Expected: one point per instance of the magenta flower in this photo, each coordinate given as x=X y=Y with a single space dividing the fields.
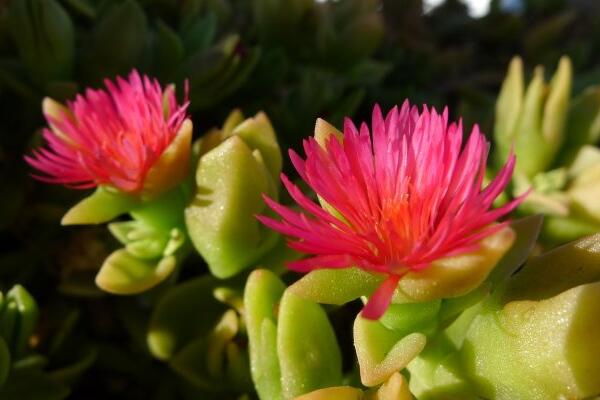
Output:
x=404 y=196
x=113 y=137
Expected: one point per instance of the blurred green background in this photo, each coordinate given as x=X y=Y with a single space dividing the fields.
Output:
x=295 y=59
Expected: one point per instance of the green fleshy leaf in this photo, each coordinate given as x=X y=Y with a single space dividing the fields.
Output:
x=199 y=33
x=583 y=124
x=338 y=393
x=164 y=212
x=222 y=334
x=221 y=219
x=147 y=249
x=258 y=134
x=566 y=229
x=584 y=192
x=261 y=299
x=412 y=317
x=101 y=206
x=190 y=363
x=508 y=108
x=530 y=146
x=207 y=358
x=563 y=268
x=44 y=37
x=146 y=242
x=395 y=388
x=169 y=50
x=28 y=315
x=527 y=230
x=234 y=118
x=537 y=349
x=275 y=260
x=117 y=40
x=267 y=364
x=381 y=351
x=451 y=308
x=550 y=181
x=336 y=286
x=308 y=351
x=175 y=320
x=238 y=362
x=127 y=231
x=556 y=107
x=586 y=157
x=123 y=273
x=432 y=378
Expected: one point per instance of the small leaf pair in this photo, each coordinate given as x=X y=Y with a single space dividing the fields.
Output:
x=236 y=165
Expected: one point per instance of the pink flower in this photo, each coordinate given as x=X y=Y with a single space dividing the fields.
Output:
x=405 y=195
x=111 y=137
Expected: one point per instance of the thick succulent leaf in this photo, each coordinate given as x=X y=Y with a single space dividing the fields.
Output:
x=323 y=130
x=127 y=231
x=583 y=124
x=434 y=378
x=43 y=33
x=190 y=363
x=508 y=108
x=168 y=49
x=234 y=118
x=258 y=134
x=452 y=308
x=173 y=165
x=238 y=363
x=204 y=359
x=309 y=355
x=395 y=388
x=412 y=317
x=338 y=392
x=556 y=107
x=381 y=351
x=566 y=229
x=123 y=273
x=146 y=242
x=586 y=157
x=529 y=143
x=534 y=350
x=117 y=40
x=458 y=275
x=164 y=212
x=584 y=193
x=277 y=258
x=527 y=231
x=544 y=192
x=221 y=219
x=261 y=300
x=27 y=320
x=185 y=311
x=563 y=268
x=101 y=206
x=222 y=334
x=336 y=286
